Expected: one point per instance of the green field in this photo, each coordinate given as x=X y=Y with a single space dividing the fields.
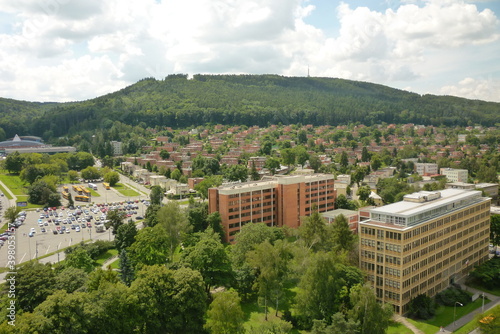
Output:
x=105 y=256
x=7 y=194
x=398 y=328
x=125 y=190
x=14 y=183
x=444 y=314
x=424 y=327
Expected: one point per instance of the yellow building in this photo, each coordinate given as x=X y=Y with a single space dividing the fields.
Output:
x=424 y=243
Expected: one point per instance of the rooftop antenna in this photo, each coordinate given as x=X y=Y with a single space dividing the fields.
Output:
x=308 y=71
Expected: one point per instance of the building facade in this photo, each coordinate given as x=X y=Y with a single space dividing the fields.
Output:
x=275 y=201
x=455 y=175
x=424 y=243
x=426 y=168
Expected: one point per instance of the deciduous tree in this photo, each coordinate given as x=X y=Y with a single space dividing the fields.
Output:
x=225 y=315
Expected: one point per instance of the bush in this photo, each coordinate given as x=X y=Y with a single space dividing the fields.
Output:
x=452 y=295
x=94 y=249
x=422 y=307
x=488 y=273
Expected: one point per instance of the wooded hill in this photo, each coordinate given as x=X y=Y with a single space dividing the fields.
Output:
x=249 y=100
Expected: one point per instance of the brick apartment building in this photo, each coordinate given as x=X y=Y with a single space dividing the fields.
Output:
x=276 y=201
x=424 y=243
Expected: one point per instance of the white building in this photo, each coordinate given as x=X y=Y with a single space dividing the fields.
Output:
x=117 y=147
x=426 y=168
x=455 y=175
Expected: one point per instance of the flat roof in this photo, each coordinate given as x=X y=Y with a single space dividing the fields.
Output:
x=237 y=187
x=405 y=208
x=334 y=213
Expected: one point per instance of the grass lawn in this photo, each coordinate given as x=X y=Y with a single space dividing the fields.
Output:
x=426 y=328
x=105 y=256
x=125 y=190
x=14 y=183
x=254 y=315
x=7 y=194
x=115 y=264
x=467 y=328
x=444 y=314
x=398 y=328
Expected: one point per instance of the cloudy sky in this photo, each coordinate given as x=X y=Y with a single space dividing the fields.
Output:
x=66 y=50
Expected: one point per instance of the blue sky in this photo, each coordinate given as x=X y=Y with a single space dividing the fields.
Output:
x=66 y=50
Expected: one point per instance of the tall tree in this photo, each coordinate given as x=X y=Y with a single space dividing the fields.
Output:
x=343 y=238
x=214 y=221
x=209 y=257
x=34 y=283
x=115 y=219
x=495 y=229
x=14 y=162
x=112 y=178
x=173 y=220
x=314 y=232
x=126 y=268
x=271 y=262
x=11 y=214
x=254 y=174
x=225 y=315
x=374 y=318
x=151 y=247
x=125 y=235
x=170 y=301
x=322 y=287
x=156 y=195
x=79 y=258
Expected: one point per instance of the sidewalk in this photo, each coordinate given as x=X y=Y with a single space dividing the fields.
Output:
x=494 y=301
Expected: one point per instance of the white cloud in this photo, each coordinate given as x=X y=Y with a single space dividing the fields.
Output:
x=103 y=45
x=480 y=89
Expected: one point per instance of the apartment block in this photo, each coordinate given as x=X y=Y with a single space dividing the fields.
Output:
x=275 y=201
x=117 y=147
x=424 y=243
x=455 y=175
x=426 y=168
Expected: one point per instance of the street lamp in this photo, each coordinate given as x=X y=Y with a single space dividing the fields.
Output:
x=455 y=312
x=482 y=307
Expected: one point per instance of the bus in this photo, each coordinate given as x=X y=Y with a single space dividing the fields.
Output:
x=82 y=198
x=93 y=186
x=75 y=187
x=65 y=189
x=65 y=195
x=79 y=190
x=86 y=192
x=106 y=185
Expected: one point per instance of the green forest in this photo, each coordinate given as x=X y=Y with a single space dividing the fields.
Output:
x=179 y=102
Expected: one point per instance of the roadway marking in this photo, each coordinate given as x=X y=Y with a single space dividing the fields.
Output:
x=59 y=246
x=22 y=258
x=48 y=247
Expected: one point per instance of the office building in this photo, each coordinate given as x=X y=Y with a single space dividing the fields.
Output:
x=275 y=201
x=117 y=147
x=424 y=243
x=426 y=169
x=455 y=175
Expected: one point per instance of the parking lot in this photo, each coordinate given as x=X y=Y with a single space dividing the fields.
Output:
x=52 y=230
